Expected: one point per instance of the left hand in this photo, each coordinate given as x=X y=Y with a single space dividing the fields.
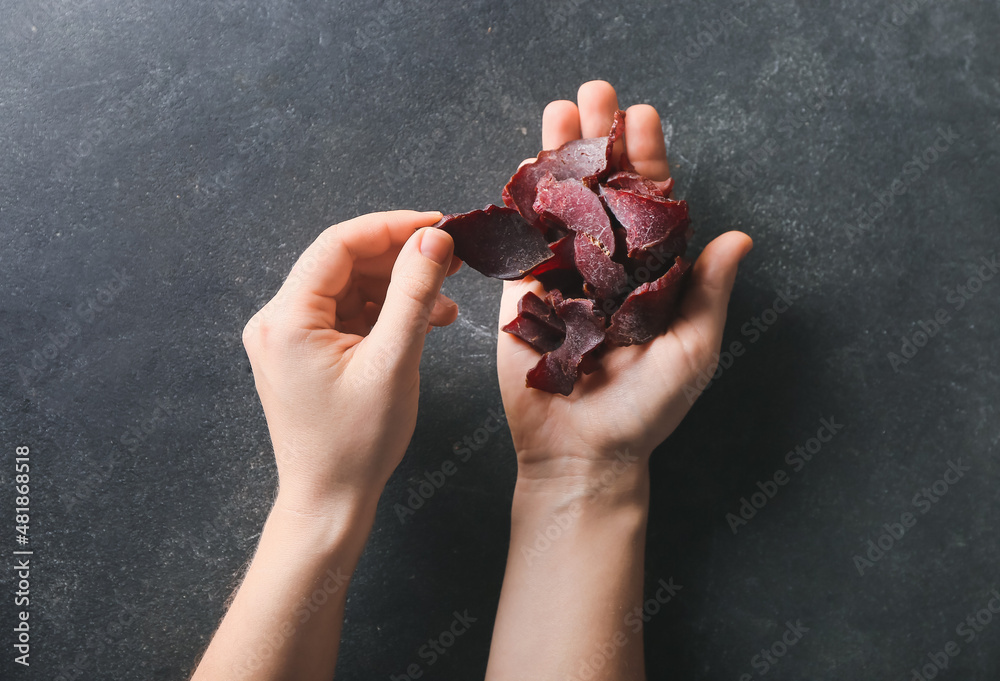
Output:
x=637 y=397
x=336 y=354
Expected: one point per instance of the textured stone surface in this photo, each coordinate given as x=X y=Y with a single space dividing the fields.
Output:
x=197 y=148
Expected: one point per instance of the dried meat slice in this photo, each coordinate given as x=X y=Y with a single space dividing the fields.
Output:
x=538 y=336
x=496 y=241
x=563 y=257
x=648 y=264
x=605 y=279
x=616 y=133
x=542 y=311
x=537 y=324
x=557 y=370
x=641 y=185
x=648 y=220
x=588 y=160
x=649 y=309
x=576 y=207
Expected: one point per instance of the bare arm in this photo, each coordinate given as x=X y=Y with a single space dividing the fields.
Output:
x=575 y=567
x=573 y=573
x=336 y=358
x=286 y=618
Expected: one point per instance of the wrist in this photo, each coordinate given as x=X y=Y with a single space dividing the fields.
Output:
x=593 y=507
x=622 y=473
x=336 y=522
x=620 y=482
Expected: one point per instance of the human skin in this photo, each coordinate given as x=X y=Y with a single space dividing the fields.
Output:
x=581 y=500
x=336 y=358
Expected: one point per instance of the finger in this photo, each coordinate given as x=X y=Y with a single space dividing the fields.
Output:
x=445 y=311
x=357 y=326
x=324 y=269
x=560 y=124
x=598 y=103
x=702 y=313
x=644 y=142
x=373 y=289
x=526 y=162
x=370 y=315
x=456 y=265
x=397 y=339
x=350 y=302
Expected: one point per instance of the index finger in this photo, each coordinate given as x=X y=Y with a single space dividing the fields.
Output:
x=324 y=269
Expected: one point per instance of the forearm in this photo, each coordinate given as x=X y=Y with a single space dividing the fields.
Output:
x=285 y=620
x=574 y=572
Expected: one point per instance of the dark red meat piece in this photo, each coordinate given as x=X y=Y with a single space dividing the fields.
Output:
x=537 y=324
x=557 y=370
x=563 y=256
x=573 y=205
x=587 y=160
x=605 y=278
x=648 y=220
x=639 y=184
x=560 y=272
x=649 y=309
x=605 y=242
x=648 y=264
x=568 y=280
x=496 y=241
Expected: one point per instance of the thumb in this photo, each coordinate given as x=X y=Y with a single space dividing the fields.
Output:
x=417 y=275
x=712 y=277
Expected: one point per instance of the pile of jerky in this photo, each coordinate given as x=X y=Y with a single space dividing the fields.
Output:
x=604 y=241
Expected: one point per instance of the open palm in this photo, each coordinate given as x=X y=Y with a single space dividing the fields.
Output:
x=637 y=396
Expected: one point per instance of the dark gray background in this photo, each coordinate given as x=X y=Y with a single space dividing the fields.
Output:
x=195 y=149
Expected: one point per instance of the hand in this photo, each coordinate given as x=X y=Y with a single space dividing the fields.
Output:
x=336 y=354
x=637 y=397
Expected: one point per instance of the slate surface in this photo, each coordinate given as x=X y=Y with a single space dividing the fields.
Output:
x=169 y=160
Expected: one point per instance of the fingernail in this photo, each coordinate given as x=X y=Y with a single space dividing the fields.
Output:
x=747 y=251
x=435 y=245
